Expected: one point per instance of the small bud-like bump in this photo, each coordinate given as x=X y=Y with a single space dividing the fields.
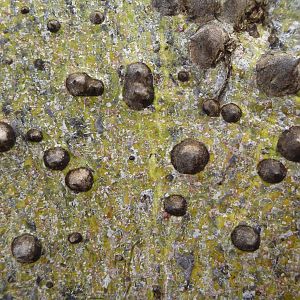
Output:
x=271 y=170
x=253 y=31
x=274 y=41
x=95 y=87
x=80 y=180
x=189 y=157
x=234 y=11
x=243 y=13
x=170 y=177
x=53 y=26
x=56 y=158
x=34 y=135
x=25 y=10
x=7 y=137
x=211 y=108
x=175 y=205
x=49 y=284
x=208 y=45
x=245 y=238
x=231 y=113
x=81 y=84
x=157 y=293
x=183 y=76
x=96 y=17
x=75 y=238
x=202 y=11
x=8 y=61
x=119 y=257
x=167 y=7
x=26 y=248
x=39 y=64
x=289 y=144
x=138 y=92
x=131 y=157
x=278 y=74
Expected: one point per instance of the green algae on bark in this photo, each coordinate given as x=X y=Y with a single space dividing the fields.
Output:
x=123 y=212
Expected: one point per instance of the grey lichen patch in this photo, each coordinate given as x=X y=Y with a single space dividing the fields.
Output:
x=186 y=263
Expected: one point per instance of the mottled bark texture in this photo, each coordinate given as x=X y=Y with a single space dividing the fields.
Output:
x=158 y=200
x=278 y=74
